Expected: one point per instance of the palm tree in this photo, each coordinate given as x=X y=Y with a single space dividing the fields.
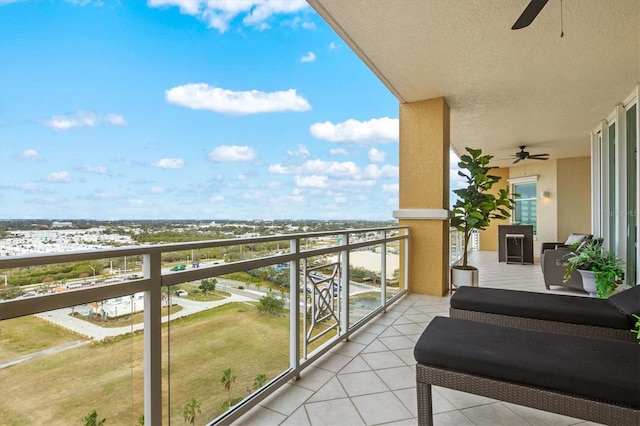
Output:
x=191 y=408
x=259 y=381
x=91 y=419
x=227 y=379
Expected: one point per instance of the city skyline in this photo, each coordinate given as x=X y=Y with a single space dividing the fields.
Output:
x=180 y=109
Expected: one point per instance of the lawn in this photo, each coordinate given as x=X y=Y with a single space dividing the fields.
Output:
x=108 y=377
x=26 y=335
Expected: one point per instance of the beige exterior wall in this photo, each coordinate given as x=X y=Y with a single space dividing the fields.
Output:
x=489 y=237
x=424 y=184
x=568 y=207
x=574 y=196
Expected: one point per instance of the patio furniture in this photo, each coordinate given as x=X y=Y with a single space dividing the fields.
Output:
x=610 y=318
x=527 y=241
x=582 y=377
x=550 y=253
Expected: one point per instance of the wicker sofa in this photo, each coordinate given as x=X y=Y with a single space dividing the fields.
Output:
x=583 y=377
x=610 y=318
x=550 y=253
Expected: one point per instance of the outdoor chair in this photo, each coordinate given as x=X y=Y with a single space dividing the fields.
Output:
x=551 y=253
x=582 y=377
x=610 y=318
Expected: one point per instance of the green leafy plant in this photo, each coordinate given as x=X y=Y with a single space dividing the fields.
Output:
x=476 y=206
x=608 y=268
x=637 y=329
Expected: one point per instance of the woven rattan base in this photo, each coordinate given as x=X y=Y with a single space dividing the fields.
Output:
x=543 y=325
x=542 y=399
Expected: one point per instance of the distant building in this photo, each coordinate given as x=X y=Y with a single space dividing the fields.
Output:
x=61 y=225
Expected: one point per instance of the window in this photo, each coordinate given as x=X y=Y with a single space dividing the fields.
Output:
x=525 y=206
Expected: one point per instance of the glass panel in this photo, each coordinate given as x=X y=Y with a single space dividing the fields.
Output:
x=632 y=190
x=364 y=287
x=227 y=337
x=64 y=364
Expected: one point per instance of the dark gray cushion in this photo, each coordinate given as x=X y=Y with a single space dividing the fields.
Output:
x=543 y=306
x=627 y=301
x=599 y=369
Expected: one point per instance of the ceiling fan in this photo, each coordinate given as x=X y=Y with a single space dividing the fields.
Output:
x=530 y=12
x=524 y=155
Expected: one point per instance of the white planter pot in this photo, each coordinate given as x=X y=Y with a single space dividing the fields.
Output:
x=464 y=277
x=589 y=282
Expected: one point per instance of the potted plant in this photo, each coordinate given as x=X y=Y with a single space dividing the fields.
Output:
x=476 y=207
x=602 y=272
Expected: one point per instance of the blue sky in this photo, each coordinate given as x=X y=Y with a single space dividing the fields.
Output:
x=188 y=109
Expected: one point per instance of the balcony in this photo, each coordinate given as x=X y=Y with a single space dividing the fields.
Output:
x=370 y=379
x=343 y=364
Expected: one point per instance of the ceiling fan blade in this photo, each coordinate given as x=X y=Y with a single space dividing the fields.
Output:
x=517 y=160
x=537 y=158
x=530 y=12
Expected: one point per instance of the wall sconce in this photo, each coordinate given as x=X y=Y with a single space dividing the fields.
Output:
x=544 y=194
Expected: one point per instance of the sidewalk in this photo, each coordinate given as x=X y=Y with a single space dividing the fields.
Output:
x=62 y=318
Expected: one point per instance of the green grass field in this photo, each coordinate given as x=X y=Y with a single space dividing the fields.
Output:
x=108 y=377
x=26 y=335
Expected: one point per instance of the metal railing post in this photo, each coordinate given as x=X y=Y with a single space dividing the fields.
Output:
x=383 y=273
x=344 y=284
x=294 y=307
x=153 y=340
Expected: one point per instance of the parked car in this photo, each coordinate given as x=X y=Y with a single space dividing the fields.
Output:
x=181 y=293
x=179 y=268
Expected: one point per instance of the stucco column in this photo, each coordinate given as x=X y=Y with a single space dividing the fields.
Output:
x=424 y=193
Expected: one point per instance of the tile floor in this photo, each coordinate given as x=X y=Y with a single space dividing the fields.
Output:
x=370 y=380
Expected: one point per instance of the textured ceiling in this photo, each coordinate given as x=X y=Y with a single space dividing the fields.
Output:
x=505 y=88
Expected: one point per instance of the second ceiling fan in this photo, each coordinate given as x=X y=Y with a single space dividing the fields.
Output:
x=524 y=155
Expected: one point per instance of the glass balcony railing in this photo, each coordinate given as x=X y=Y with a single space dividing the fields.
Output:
x=152 y=334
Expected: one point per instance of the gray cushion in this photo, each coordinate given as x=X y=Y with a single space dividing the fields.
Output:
x=542 y=306
x=600 y=369
x=627 y=302
x=576 y=238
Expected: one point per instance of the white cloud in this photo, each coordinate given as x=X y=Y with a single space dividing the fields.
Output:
x=332 y=168
x=29 y=187
x=241 y=176
x=169 y=163
x=308 y=25
x=105 y=195
x=313 y=181
x=232 y=153
x=372 y=171
x=301 y=152
x=220 y=14
x=394 y=187
x=136 y=202
x=278 y=169
x=30 y=154
x=201 y=96
x=101 y=170
x=338 y=151
x=333 y=45
x=83 y=119
x=374 y=131
x=309 y=57
x=115 y=119
x=157 y=190
x=216 y=199
x=59 y=177
x=377 y=156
